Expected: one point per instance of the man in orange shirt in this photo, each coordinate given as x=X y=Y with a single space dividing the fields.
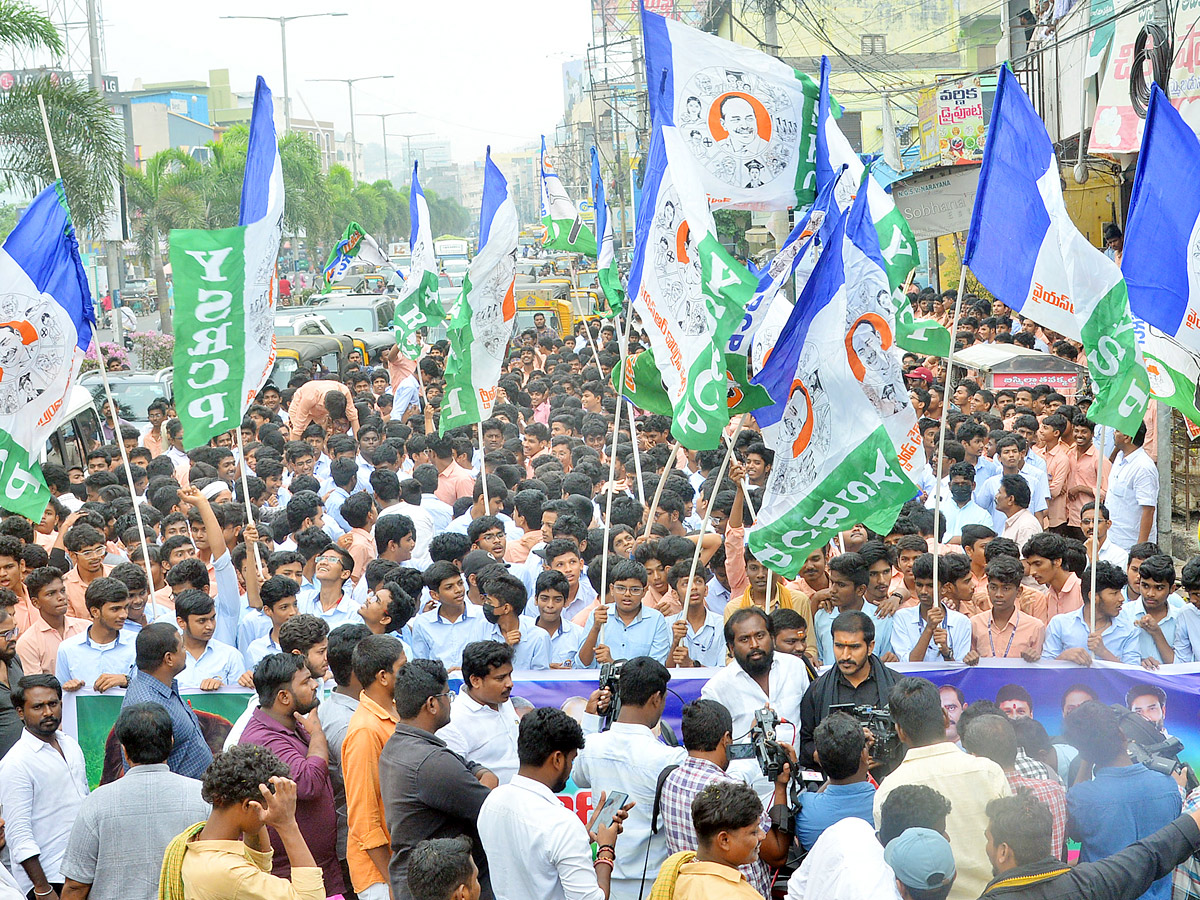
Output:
x=37 y=646
x=375 y=662
x=156 y=412
x=1043 y=555
x=454 y=481
x=86 y=548
x=328 y=403
x=1081 y=486
x=1058 y=469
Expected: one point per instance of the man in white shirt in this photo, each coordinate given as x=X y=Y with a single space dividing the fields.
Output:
x=538 y=849
x=1132 y=492
x=483 y=722
x=43 y=781
x=758 y=677
x=1091 y=522
x=629 y=758
x=928 y=633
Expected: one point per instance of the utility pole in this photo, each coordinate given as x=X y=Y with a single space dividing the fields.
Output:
x=112 y=248
x=351 y=134
x=282 y=21
x=408 y=138
x=383 y=117
x=780 y=224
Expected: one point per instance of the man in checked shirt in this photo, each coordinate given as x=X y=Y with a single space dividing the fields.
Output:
x=707 y=734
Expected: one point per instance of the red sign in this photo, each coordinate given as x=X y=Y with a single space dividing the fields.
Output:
x=1063 y=382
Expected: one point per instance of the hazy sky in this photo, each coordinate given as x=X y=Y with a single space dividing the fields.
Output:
x=475 y=71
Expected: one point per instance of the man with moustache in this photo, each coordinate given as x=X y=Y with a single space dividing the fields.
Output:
x=858 y=678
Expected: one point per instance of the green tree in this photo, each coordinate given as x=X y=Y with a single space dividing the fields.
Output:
x=87 y=136
x=8 y=219
x=167 y=193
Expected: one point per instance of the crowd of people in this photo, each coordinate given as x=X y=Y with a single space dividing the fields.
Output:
x=346 y=564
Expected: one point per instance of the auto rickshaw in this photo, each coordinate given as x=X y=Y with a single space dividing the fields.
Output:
x=293 y=353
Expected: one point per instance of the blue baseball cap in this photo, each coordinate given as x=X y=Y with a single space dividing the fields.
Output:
x=921 y=858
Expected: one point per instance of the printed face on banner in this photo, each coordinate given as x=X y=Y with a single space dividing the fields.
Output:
x=869 y=342
x=805 y=429
x=677 y=265
x=496 y=307
x=740 y=128
x=36 y=338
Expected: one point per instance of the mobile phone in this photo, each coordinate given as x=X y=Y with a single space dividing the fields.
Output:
x=614 y=801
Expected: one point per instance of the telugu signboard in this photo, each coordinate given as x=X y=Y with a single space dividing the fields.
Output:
x=937 y=202
x=953 y=120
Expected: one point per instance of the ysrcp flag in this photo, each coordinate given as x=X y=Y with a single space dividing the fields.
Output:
x=46 y=324
x=689 y=292
x=606 y=259
x=1161 y=261
x=355 y=244
x=834 y=152
x=418 y=305
x=487 y=309
x=564 y=226
x=1024 y=248
x=1174 y=370
x=225 y=295
x=842 y=427
x=746 y=118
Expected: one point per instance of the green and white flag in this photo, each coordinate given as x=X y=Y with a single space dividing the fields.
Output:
x=688 y=291
x=1174 y=370
x=641 y=382
x=225 y=295
x=487 y=310
x=842 y=427
x=923 y=336
x=418 y=305
x=1024 y=248
x=564 y=226
x=606 y=260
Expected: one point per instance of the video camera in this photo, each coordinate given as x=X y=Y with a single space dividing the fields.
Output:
x=763 y=746
x=886 y=748
x=610 y=678
x=1150 y=747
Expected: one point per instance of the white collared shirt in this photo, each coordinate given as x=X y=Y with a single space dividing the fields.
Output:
x=41 y=791
x=1132 y=484
x=629 y=758
x=846 y=863
x=707 y=645
x=218 y=660
x=484 y=735
x=434 y=637
x=537 y=849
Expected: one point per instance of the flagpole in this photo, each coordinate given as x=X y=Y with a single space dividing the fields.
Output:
x=612 y=471
x=637 y=454
x=487 y=504
x=937 y=486
x=1096 y=524
x=246 y=492
x=658 y=493
x=116 y=413
x=708 y=508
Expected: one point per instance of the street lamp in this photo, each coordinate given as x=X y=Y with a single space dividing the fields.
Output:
x=283 y=20
x=408 y=144
x=349 y=83
x=383 y=117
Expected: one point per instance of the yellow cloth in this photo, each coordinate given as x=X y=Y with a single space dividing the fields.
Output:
x=668 y=874
x=781 y=598
x=229 y=870
x=712 y=881
x=170 y=878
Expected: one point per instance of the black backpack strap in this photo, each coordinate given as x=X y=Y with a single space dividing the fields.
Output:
x=658 y=789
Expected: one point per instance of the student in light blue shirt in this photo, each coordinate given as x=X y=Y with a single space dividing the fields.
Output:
x=344 y=474
x=1156 y=611
x=697 y=633
x=102 y=656
x=945 y=638
x=279 y=604
x=848 y=577
x=550 y=596
x=1069 y=635
x=504 y=600
x=209 y=664
x=630 y=628
x=442 y=632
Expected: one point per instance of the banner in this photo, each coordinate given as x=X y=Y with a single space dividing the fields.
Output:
x=89 y=717
x=355 y=243
x=225 y=295
x=746 y=118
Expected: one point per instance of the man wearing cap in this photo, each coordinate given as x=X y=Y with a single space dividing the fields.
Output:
x=923 y=863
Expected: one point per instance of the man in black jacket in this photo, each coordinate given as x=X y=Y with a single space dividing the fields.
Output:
x=1018 y=845
x=858 y=678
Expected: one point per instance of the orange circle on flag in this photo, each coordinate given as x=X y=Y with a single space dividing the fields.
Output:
x=761 y=116
x=801 y=443
x=681 y=238
x=885 y=336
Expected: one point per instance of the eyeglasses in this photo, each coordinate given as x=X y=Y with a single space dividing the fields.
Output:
x=622 y=590
x=94 y=553
x=11 y=634
x=330 y=559
x=449 y=695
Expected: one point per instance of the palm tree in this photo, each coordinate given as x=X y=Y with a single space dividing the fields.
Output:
x=87 y=136
x=166 y=194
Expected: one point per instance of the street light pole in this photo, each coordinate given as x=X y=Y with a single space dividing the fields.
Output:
x=383 y=117
x=349 y=82
x=282 y=21
x=408 y=145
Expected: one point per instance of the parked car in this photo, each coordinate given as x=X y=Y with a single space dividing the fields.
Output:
x=133 y=391
x=348 y=313
x=301 y=321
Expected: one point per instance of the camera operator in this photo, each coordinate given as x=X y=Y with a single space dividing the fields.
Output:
x=757 y=677
x=707 y=734
x=629 y=758
x=858 y=677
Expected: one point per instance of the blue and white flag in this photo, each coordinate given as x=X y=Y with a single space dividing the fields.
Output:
x=1161 y=259
x=225 y=283
x=1024 y=248
x=46 y=324
x=606 y=257
x=418 y=305
x=487 y=309
x=842 y=427
x=746 y=118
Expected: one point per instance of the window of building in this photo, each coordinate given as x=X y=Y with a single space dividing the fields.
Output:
x=874 y=44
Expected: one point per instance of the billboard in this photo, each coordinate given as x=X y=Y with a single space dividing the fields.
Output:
x=953 y=120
